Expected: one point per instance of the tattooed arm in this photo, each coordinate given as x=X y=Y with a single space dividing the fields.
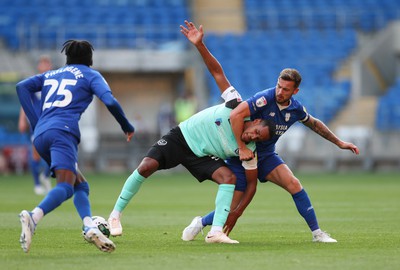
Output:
x=321 y=129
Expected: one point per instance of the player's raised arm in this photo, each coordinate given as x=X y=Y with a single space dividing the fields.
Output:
x=195 y=36
x=237 y=117
x=321 y=129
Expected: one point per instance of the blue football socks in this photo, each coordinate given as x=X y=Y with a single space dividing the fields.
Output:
x=208 y=219
x=59 y=194
x=81 y=200
x=305 y=209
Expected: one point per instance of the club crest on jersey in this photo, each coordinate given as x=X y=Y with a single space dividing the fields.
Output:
x=287 y=117
x=272 y=114
x=162 y=142
x=261 y=102
x=218 y=121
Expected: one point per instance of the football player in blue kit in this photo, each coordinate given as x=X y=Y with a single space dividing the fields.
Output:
x=39 y=169
x=200 y=144
x=66 y=93
x=278 y=105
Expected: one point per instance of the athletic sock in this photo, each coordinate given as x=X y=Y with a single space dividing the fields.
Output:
x=37 y=214
x=130 y=188
x=305 y=209
x=88 y=222
x=316 y=231
x=59 y=194
x=208 y=219
x=81 y=200
x=222 y=205
x=115 y=214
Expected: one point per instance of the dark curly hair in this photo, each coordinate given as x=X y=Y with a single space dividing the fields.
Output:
x=78 y=52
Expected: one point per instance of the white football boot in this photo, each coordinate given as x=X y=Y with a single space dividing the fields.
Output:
x=94 y=236
x=28 y=229
x=115 y=226
x=219 y=237
x=194 y=228
x=322 y=237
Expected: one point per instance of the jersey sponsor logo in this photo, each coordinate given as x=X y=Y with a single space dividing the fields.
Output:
x=218 y=121
x=261 y=102
x=287 y=117
x=281 y=129
x=162 y=142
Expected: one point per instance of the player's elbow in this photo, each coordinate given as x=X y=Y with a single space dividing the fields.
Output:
x=108 y=100
x=19 y=87
x=240 y=112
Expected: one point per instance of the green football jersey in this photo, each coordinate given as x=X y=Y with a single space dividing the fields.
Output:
x=209 y=133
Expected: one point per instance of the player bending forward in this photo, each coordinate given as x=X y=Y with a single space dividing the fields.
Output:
x=277 y=105
x=200 y=143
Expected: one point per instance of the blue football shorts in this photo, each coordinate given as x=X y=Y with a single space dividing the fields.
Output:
x=265 y=163
x=59 y=149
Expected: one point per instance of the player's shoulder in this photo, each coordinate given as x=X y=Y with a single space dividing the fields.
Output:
x=262 y=98
x=296 y=104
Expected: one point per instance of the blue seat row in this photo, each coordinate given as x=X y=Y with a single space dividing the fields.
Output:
x=252 y=61
x=367 y=15
x=42 y=24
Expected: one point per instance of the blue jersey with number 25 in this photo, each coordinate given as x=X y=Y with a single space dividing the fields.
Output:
x=66 y=93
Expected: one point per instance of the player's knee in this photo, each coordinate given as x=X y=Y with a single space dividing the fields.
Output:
x=147 y=167
x=294 y=185
x=83 y=186
x=67 y=188
x=229 y=178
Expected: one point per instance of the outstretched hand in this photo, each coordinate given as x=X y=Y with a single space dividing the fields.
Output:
x=193 y=34
x=129 y=136
x=353 y=148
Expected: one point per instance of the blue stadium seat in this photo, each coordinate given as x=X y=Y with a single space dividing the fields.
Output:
x=20 y=16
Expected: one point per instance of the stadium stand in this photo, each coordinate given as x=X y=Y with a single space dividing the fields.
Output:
x=108 y=24
x=253 y=61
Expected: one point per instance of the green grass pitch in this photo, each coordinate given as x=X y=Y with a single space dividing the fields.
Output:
x=360 y=210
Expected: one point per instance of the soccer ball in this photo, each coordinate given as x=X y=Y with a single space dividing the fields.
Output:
x=102 y=224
